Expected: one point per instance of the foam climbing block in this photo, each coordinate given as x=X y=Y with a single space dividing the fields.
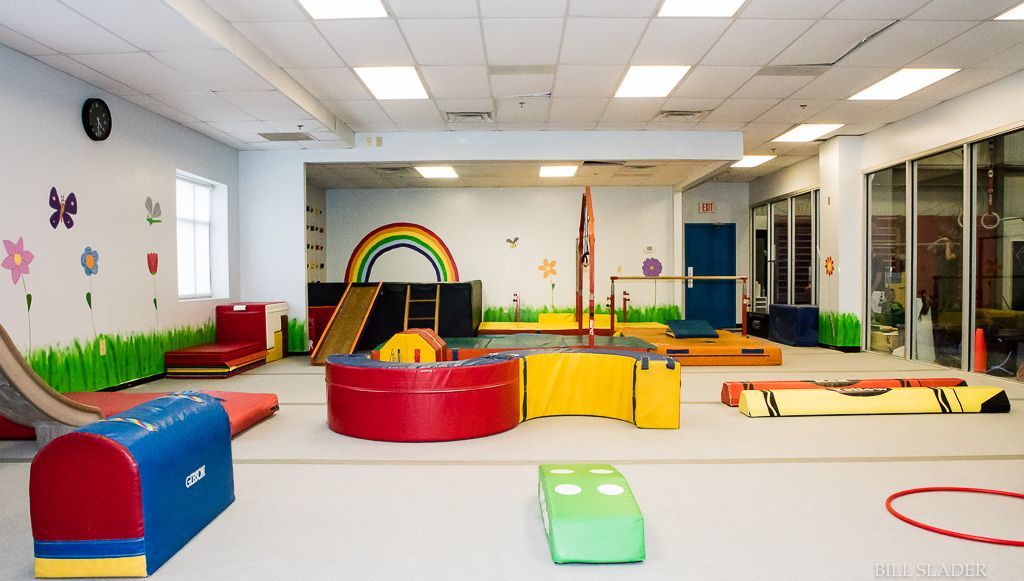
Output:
x=119 y=497
x=589 y=514
x=413 y=346
x=731 y=390
x=838 y=401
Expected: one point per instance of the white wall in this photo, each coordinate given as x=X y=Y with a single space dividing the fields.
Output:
x=44 y=145
x=475 y=224
x=272 y=216
x=803 y=176
x=732 y=205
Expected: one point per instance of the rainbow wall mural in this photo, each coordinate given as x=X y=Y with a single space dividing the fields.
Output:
x=401 y=235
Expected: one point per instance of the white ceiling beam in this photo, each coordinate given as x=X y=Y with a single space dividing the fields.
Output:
x=207 y=20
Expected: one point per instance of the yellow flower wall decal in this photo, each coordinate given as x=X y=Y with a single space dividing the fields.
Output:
x=548 y=268
x=830 y=266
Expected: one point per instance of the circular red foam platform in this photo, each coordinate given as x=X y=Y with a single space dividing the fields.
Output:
x=430 y=402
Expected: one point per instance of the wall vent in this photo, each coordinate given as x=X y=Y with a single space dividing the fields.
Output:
x=680 y=115
x=469 y=117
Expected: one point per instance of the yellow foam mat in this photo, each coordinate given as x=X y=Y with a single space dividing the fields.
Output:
x=73 y=568
x=861 y=401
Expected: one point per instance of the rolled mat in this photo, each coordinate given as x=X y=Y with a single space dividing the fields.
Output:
x=731 y=390
x=864 y=401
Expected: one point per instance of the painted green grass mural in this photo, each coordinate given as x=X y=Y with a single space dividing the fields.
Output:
x=530 y=314
x=298 y=338
x=80 y=367
x=839 y=329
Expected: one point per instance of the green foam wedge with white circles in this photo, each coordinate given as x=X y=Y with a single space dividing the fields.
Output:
x=590 y=515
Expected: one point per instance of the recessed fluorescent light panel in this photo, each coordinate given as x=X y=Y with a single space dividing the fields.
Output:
x=558 y=171
x=1012 y=14
x=656 y=81
x=753 y=160
x=329 y=9
x=392 y=82
x=807 y=132
x=437 y=172
x=902 y=83
x=701 y=8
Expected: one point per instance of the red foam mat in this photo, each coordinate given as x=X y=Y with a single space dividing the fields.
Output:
x=211 y=355
x=244 y=409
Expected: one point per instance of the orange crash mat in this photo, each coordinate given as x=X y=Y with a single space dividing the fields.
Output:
x=728 y=349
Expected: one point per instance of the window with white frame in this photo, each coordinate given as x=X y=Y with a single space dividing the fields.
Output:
x=194 y=210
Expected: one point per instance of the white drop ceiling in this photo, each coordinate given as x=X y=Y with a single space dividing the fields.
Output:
x=505 y=174
x=504 y=57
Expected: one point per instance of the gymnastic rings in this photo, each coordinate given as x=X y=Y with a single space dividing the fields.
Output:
x=993 y=220
x=955 y=534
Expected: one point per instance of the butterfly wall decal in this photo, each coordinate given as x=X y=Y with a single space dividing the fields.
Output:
x=64 y=209
x=153 y=211
x=512 y=242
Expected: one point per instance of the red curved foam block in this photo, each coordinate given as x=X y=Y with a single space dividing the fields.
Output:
x=421 y=404
x=731 y=390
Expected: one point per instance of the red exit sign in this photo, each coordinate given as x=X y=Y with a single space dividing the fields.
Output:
x=707 y=207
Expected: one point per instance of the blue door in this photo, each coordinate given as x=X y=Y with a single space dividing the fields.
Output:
x=711 y=250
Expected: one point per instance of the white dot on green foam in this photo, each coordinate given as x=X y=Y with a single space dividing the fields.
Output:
x=563 y=471
x=568 y=489
x=610 y=489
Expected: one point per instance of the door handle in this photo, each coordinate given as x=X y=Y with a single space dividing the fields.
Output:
x=689 y=272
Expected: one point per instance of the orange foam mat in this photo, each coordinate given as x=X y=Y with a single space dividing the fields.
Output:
x=244 y=409
x=728 y=349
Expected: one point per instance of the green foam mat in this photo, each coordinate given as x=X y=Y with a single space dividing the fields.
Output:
x=590 y=515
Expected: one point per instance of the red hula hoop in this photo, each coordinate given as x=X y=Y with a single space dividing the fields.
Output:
x=941 y=531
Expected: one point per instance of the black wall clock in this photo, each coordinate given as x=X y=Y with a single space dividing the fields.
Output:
x=96 y=119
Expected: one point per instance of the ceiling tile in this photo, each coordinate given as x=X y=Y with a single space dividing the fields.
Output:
x=217 y=70
x=522 y=110
x=374 y=42
x=59 y=27
x=786 y=8
x=681 y=104
x=22 y=43
x=903 y=43
x=794 y=111
x=963 y=10
x=206 y=106
x=452 y=41
x=308 y=125
x=374 y=127
x=758 y=133
x=614 y=8
x=577 y=110
x=291 y=44
x=457 y=82
x=740 y=110
x=975 y=45
x=771 y=87
x=845 y=111
x=706 y=82
x=961 y=83
x=903 y=109
x=678 y=41
x=842 y=82
x=265 y=105
x=505 y=37
x=358 y=112
x=521 y=8
x=258 y=10
x=148 y=24
x=330 y=83
x=632 y=110
x=412 y=111
x=587 y=80
x=828 y=40
x=1010 y=59
x=414 y=127
x=875 y=9
x=80 y=71
x=160 y=108
x=511 y=86
x=601 y=41
x=433 y=8
x=736 y=47
x=241 y=126
x=858 y=128
x=466 y=105
x=140 y=71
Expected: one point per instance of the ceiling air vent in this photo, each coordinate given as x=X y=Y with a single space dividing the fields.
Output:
x=680 y=115
x=287 y=136
x=793 y=70
x=469 y=117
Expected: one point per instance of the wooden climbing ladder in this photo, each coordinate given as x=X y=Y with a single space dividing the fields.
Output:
x=419 y=306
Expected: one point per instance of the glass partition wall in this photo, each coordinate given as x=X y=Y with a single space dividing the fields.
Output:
x=957 y=298
x=784 y=236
